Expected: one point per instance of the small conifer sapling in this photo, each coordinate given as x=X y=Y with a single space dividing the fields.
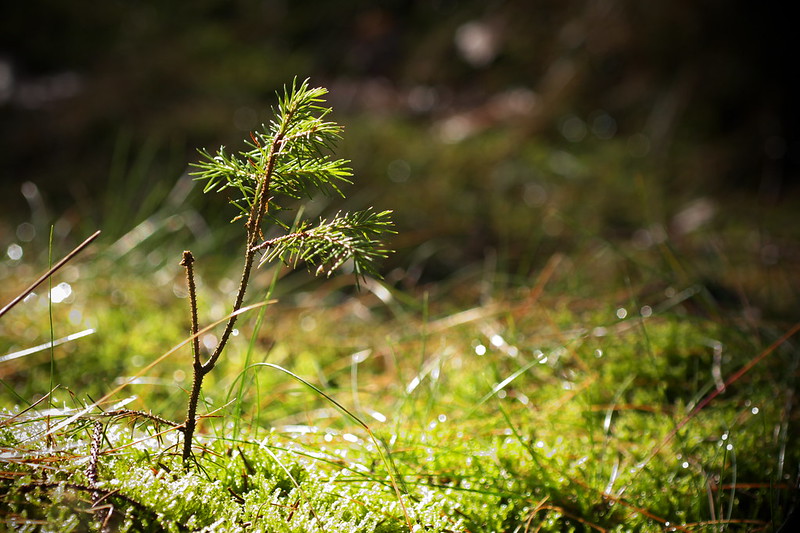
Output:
x=289 y=160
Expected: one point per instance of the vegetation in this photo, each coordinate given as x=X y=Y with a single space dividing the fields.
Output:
x=571 y=380
x=287 y=161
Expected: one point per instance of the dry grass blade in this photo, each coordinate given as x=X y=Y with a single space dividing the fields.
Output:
x=78 y=249
x=87 y=409
x=716 y=392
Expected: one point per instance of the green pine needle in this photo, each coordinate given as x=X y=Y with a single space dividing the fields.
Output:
x=329 y=244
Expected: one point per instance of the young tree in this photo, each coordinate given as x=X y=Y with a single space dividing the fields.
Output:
x=290 y=159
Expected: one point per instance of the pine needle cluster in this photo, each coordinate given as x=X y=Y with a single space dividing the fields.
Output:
x=292 y=159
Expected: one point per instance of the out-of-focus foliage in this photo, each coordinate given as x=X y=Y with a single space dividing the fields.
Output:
x=712 y=74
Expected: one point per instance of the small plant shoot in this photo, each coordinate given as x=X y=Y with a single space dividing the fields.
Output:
x=290 y=160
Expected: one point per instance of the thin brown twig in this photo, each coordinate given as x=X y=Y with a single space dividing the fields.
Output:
x=80 y=487
x=49 y=273
x=188 y=262
x=132 y=413
x=91 y=475
x=31 y=406
x=94 y=452
x=197 y=365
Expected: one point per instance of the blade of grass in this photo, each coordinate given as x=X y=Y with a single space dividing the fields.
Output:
x=146 y=368
x=297 y=486
x=501 y=385
x=45 y=346
x=708 y=399
x=599 y=493
x=378 y=444
x=50 y=313
x=237 y=416
x=251 y=346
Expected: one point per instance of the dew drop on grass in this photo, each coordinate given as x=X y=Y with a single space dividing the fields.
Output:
x=431 y=456
x=442 y=418
x=398 y=170
x=622 y=313
x=14 y=252
x=26 y=232
x=573 y=128
x=497 y=341
x=154 y=258
x=480 y=349
x=209 y=341
x=308 y=323
x=380 y=417
x=754 y=410
x=60 y=292
x=179 y=291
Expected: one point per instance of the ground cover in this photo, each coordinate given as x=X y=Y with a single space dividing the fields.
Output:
x=598 y=356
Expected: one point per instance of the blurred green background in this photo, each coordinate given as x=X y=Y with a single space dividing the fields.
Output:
x=504 y=129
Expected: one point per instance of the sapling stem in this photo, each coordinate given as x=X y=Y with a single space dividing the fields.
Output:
x=188 y=263
x=197 y=366
x=200 y=369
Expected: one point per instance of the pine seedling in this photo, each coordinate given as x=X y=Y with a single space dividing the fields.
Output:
x=289 y=160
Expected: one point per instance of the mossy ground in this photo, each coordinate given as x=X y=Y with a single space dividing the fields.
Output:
x=542 y=361
x=507 y=407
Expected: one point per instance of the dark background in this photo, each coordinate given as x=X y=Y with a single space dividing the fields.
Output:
x=705 y=89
